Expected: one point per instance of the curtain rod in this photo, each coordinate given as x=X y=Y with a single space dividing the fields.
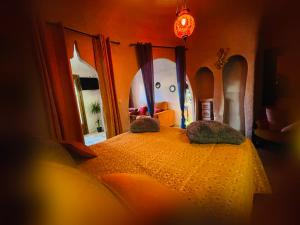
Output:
x=90 y=35
x=156 y=46
x=86 y=34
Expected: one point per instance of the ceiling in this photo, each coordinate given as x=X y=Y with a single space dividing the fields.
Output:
x=144 y=20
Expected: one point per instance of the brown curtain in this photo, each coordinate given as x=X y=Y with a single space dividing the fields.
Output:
x=104 y=67
x=83 y=44
x=57 y=83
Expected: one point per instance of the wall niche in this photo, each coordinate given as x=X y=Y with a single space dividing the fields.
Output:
x=205 y=94
x=234 y=85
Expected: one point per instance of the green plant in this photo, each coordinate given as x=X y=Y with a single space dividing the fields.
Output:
x=96 y=110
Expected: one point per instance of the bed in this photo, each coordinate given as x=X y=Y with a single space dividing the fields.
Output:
x=220 y=178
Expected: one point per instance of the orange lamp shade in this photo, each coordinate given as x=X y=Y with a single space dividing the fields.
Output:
x=184 y=24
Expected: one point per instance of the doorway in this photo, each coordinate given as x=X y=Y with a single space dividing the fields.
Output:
x=88 y=98
x=165 y=94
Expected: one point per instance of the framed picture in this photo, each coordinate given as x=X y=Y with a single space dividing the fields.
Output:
x=157 y=85
x=172 y=88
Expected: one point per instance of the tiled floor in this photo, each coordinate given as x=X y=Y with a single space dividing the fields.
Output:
x=94 y=138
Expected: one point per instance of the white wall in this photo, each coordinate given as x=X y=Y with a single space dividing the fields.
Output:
x=83 y=69
x=165 y=73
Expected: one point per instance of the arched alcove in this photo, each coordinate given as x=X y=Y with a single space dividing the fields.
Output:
x=205 y=94
x=234 y=85
x=165 y=75
x=205 y=83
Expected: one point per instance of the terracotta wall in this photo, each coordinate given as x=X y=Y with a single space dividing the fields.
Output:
x=230 y=24
x=85 y=16
x=235 y=28
x=281 y=32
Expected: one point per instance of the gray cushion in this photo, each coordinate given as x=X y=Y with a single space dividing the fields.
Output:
x=144 y=125
x=206 y=132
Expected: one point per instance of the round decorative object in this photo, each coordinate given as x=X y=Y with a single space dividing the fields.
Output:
x=157 y=85
x=184 y=24
x=172 y=88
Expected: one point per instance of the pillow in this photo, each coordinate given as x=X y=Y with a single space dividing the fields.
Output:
x=162 y=105
x=70 y=197
x=134 y=113
x=78 y=149
x=158 y=110
x=213 y=132
x=148 y=198
x=143 y=110
x=144 y=125
x=133 y=109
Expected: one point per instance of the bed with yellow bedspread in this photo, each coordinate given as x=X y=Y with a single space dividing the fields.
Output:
x=220 y=178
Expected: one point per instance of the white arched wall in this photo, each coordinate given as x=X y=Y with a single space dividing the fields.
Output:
x=165 y=73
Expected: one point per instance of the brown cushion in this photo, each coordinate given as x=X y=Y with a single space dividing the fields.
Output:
x=162 y=105
x=78 y=149
x=148 y=198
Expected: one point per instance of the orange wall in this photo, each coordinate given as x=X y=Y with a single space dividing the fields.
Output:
x=282 y=33
x=82 y=16
x=230 y=24
x=235 y=28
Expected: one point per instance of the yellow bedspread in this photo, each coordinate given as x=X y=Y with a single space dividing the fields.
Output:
x=220 y=178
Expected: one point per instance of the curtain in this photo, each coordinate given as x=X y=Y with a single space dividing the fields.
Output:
x=57 y=83
x=104 y=67
x=181 y=79
x=131 y=104
x=145 y=62
x=84 y=46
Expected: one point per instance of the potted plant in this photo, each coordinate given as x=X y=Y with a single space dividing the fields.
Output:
x=96 y=110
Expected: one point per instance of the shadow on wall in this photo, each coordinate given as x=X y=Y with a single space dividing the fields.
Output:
x=205 y=83
x=234 y=85
x=165 y=74
x=205 y=94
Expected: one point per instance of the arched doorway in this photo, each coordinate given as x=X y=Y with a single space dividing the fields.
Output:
x=234 y=85
x=165 y=90
x=88 y=98
x=205 y=93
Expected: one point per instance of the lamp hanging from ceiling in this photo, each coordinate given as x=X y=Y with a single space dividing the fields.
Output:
x=184 y=24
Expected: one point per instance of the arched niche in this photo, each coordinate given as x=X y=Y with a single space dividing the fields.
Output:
x=165 y=75
x=234 y=85
x=205 y=94
x=205 y=83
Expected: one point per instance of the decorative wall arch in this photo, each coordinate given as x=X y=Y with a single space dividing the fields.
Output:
x=205 y=94
x=165 y=74
x=234 y=87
